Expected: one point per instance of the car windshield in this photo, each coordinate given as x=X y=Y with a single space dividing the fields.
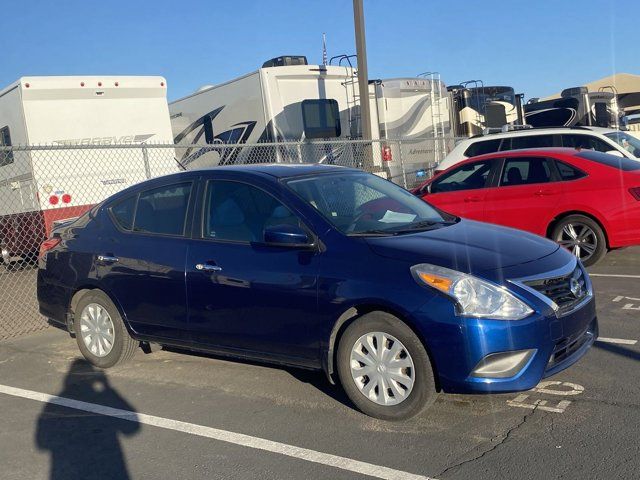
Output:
x=630 y=143
x=365 y=204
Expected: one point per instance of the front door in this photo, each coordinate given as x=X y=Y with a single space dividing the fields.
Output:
x=461 y=191
x=247 y=297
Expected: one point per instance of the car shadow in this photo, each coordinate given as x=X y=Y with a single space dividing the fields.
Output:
x=618 y=350
x=315 y=378
x=85 y=445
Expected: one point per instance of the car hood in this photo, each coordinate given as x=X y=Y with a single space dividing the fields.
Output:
x=467 y=246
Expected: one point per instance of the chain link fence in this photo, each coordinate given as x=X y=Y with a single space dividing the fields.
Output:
x=43 y=186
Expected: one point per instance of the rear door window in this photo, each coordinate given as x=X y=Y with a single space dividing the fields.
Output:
x=525 y=171
x=163 y=210
x=466 y=177
x=531 y=141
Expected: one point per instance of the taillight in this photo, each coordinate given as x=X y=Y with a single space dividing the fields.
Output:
x=47 y=245
x=66 y=198
x=53 y=199
x=635 y=192
x=387 y=156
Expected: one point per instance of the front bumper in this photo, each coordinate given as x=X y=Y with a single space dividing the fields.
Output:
x=459 y=345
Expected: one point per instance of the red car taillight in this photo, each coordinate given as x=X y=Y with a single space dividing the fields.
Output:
x=635 y=192
x=47 y=245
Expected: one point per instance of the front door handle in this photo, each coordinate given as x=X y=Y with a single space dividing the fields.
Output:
x=544 y=193
x=107 y=259
x=208 y=267
x=472 y=198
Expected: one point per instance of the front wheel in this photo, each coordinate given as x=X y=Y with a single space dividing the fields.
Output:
x=100 y=332
x=582 y=236
x=384 y=368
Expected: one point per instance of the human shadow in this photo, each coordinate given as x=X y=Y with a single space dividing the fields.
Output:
x=85 y=445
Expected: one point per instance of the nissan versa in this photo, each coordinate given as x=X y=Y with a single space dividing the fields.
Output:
x=319 y=267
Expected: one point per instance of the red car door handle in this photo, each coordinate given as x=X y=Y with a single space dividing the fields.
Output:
x=472 y=198
x=542 y=193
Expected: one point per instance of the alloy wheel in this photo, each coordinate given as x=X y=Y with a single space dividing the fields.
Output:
x=382 y=368
x=579 y=239
x=96 y=330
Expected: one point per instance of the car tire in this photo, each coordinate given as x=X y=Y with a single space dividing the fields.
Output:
x=100 y=331
x=417 y=379
x=574 y=232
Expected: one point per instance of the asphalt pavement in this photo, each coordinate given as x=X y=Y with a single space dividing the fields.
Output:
x=175 y=415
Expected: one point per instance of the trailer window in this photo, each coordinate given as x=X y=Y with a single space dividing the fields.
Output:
x=321 y=118
x=6 y=156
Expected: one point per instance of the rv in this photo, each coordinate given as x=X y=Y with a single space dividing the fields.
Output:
x=288 y=100
x=40 y=186
x=477 y=107
x=576 y=107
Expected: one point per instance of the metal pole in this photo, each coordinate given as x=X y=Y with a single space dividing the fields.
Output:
x=363 y=78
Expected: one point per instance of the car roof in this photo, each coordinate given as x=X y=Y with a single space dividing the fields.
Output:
x=538 y=131
x=280 y=170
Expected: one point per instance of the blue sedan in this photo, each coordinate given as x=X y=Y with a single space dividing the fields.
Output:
x=319 y=267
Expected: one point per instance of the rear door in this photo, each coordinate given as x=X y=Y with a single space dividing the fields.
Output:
x=142 y=257
x=461 y=191
x=526 y=194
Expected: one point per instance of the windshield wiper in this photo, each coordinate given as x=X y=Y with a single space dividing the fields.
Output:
x=421 y=225
x=372 y=233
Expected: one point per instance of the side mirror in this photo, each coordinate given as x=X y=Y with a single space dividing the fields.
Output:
x=285 y=235
x=617 y=153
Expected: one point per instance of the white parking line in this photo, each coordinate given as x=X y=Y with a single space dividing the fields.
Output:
x=621 y=341
x=308 y=455
x=612 y=275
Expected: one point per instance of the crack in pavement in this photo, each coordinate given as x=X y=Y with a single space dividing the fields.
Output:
x=501 y=441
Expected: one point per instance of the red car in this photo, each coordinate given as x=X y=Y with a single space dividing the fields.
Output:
x=585 y=200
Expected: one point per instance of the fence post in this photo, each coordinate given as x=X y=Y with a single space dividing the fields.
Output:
x=145 y=157
x=404 y=173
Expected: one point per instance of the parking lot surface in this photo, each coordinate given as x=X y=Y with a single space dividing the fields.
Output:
x=199 y=416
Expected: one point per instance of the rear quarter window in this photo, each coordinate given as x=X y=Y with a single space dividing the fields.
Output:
x=480 y=148
x=122 y=212
x=621 y=163
x=567 y=172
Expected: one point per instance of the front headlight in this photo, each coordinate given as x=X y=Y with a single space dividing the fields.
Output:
x=474 y=297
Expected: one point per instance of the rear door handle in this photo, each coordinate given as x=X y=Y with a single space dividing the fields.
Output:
x=543 y=193
x=208 y=267
x=472 y=198
x=107 y=259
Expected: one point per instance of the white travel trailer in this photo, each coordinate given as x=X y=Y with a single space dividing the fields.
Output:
x=289 y=100
x=41 y=186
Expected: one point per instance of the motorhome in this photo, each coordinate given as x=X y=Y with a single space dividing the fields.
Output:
x=53 y=179
x=289 y=100
x=477 y=107
x=575 y=107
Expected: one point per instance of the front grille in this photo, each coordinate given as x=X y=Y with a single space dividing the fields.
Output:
x=565 y=291
x=565 y=347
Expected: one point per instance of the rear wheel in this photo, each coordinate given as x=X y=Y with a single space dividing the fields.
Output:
x=100 y=332
x=384 y=368
x=582 y=236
